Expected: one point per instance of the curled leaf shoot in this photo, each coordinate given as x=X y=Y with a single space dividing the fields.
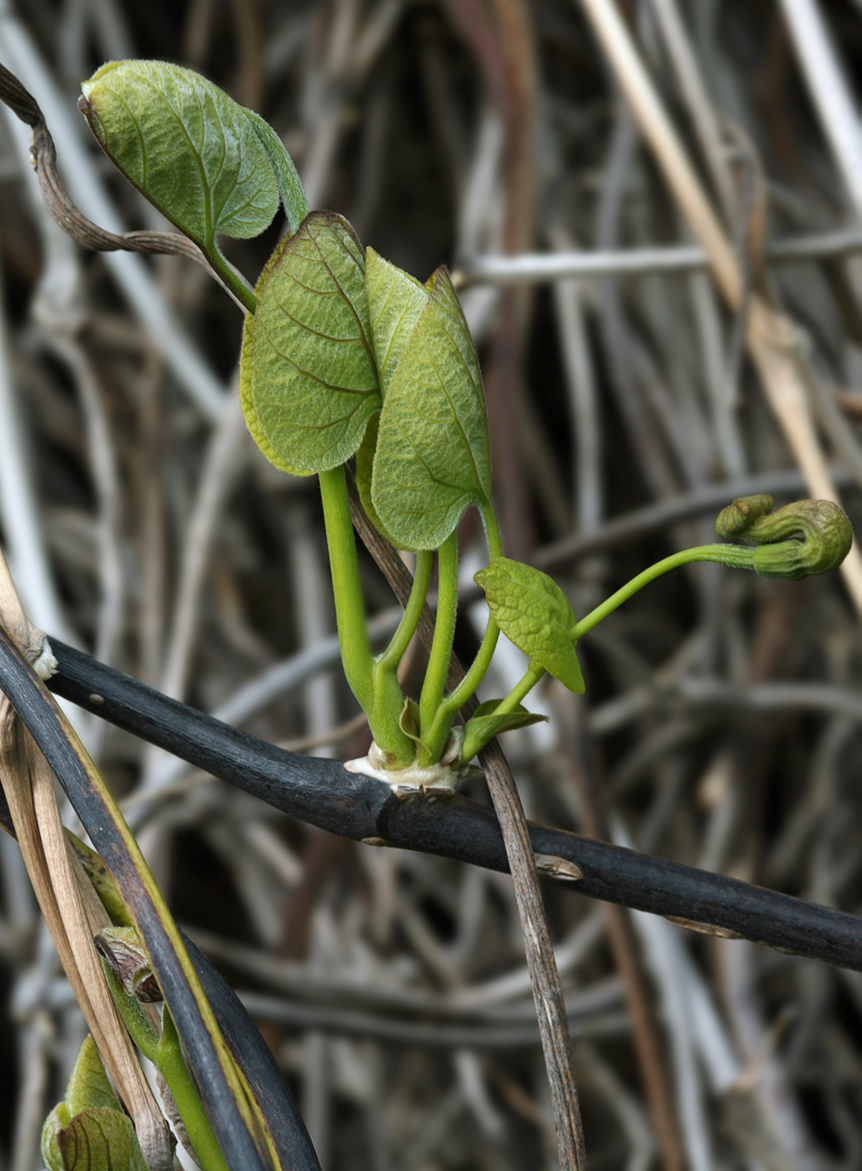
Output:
x=804 y=538
x=208 y=164
x=801 y=539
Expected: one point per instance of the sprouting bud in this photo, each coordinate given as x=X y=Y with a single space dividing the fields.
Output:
x=801 y=539
x=122 y=949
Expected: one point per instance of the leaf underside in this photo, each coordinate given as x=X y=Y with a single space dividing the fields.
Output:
x=309 y=379
x=432 y=457
x=534 y=613
x=188 y=147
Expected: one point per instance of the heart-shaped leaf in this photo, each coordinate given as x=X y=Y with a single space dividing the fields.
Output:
x=534 y=613
x=432 y=457
x=485 y=724
x=308 y=379
x=395 y=301
x=194 y=152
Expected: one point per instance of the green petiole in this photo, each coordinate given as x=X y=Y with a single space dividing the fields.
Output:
x=394 y=653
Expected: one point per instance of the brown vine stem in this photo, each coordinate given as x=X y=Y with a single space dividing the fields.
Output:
x=542 y=965
x=59 y=203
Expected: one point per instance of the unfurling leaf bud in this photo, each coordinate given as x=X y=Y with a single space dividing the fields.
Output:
x=122 y=949
x=801 y=539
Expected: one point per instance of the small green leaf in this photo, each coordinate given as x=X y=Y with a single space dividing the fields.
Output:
x=534 y=613
x=88 y=1131
x=308 y=378
x=88 y=1086
x=432 y=458
x=194 y=152
x=49 y=1146
x=485 y=724
x=287 y=178
x=410 y=722
x=100 y=1140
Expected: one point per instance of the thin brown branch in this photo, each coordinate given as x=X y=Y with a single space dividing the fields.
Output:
x=59 y=203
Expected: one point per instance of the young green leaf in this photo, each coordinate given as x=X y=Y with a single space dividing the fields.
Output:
x=534 y=613
x=97 y=1140
x=88 y=1086
x=485 y=724
x=193 y=151
x=308 y=378
x=287 y=178
x=395 y=300
x=432 y=457
x=88 y=1131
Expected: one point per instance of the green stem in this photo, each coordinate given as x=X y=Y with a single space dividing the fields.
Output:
x=174 y=1070
x=394 y=653
x=478 y=669
x=525 y=684
x=379 y=696
x=230 y=279
x=346 y=586
x=740 y=556
x=165 y=1053
x=441 y=647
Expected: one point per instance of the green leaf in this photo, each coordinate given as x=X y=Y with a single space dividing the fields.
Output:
x=194 y=152
x=284 y=169
x=49 y=1147
x=89 y=1131
x=432 y=457
x=410 y=722
x=88 y=1086
x=395 y=300
x=534 y=613
x=100 y=1140
x=485 y=724
x=308 y=377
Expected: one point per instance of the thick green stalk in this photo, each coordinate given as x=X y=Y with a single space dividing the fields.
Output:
x=379 y=697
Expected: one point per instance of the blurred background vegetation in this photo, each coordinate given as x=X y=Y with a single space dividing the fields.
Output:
x=721 y=722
